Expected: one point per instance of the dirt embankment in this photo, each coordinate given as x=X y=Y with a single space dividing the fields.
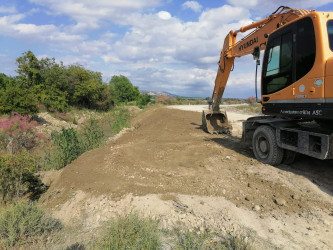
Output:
x=169 y=168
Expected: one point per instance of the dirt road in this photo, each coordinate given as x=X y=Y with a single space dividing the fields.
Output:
x=167 y=167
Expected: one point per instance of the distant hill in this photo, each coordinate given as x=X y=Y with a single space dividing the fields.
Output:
x=157 y=93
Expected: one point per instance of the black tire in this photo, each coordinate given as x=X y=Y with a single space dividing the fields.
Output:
x=265 y=147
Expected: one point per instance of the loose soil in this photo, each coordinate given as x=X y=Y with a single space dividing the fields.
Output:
x=166 y=167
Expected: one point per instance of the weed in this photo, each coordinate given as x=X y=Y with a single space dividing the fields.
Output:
x=191 y=240
x=121 y=120
x=195 y=240
x=25 y=223
x=68 y=146
x=92 y=135
x=130 y=232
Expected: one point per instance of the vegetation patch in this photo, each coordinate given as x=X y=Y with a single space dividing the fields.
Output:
x=121 y=119
x=204 y=240
x=17 y=175
x=69 y=144
x=130 y=232
x=25 y=223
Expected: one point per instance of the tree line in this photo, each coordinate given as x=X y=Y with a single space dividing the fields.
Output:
x=46 y=84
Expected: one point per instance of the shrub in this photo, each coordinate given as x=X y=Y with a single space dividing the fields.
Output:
x=130 y=232
x=92 y=135
x=54 y=99
x=121 y=120
x=17 y=175
x=191 y=240
x=25 y=223
x=122 y=90
x=68 y=146
x=143 y=100
x=194 y=240
x=17 y=99
x=18 y=133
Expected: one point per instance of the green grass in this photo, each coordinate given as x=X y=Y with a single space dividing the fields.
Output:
x=69 y=144
x=121 y=119
x=25 y=223
x=130 y=232
x=204 y=240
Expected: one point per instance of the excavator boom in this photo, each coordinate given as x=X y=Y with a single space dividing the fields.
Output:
x=214 y=120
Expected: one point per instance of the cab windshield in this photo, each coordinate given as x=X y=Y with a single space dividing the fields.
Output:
x=330 y=33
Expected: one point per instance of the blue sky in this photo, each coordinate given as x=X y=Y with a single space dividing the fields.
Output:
x=170 y=45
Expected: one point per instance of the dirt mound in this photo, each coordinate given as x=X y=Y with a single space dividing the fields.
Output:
x=168 y=153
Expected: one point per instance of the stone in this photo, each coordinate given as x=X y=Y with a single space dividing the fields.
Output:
x=280 y=202
x=256 y=208
x=295 y=196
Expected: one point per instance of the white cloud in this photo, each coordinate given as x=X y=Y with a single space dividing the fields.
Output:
x=264 y=7
x=193 y=5
x=164 y=15
x=92 y=14
x=10 y=26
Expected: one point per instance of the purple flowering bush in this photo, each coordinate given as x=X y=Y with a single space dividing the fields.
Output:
x=18 y=132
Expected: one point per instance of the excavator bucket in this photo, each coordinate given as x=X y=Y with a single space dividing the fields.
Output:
x=215 y=122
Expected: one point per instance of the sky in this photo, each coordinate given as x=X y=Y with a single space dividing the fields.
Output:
x=170 y=45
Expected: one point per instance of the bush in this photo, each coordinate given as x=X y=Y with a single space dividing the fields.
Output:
x=191 y=240
x=25 y=223
x=17 y=99
x=194 y=240
x=18 y=133
x=122 y=90
x=68 y=146
x=92 y=135
x=17 y=175
x=130 y=232
x=143 y=100
x=121 y=120
x=54 y=100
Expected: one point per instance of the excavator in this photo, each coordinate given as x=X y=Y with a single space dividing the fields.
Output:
x=296 y=85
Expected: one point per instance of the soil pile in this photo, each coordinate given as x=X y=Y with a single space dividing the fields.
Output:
x=167 y=158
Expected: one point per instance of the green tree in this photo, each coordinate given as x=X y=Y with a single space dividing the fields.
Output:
x=29 y=69
x=143 y=100
x=86 y=88
x=122 y=90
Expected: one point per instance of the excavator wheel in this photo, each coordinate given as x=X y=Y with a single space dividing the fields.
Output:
x=215 y=122
x=265 y=147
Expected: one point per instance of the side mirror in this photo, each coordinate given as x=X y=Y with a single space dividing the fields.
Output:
x=256 y=53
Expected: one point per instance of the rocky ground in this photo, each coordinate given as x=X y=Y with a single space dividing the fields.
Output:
x=167 y=168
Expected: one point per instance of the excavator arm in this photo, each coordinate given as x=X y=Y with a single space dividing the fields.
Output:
x=214 y=120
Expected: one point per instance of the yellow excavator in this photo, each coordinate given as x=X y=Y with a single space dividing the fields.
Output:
x=296 y=85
